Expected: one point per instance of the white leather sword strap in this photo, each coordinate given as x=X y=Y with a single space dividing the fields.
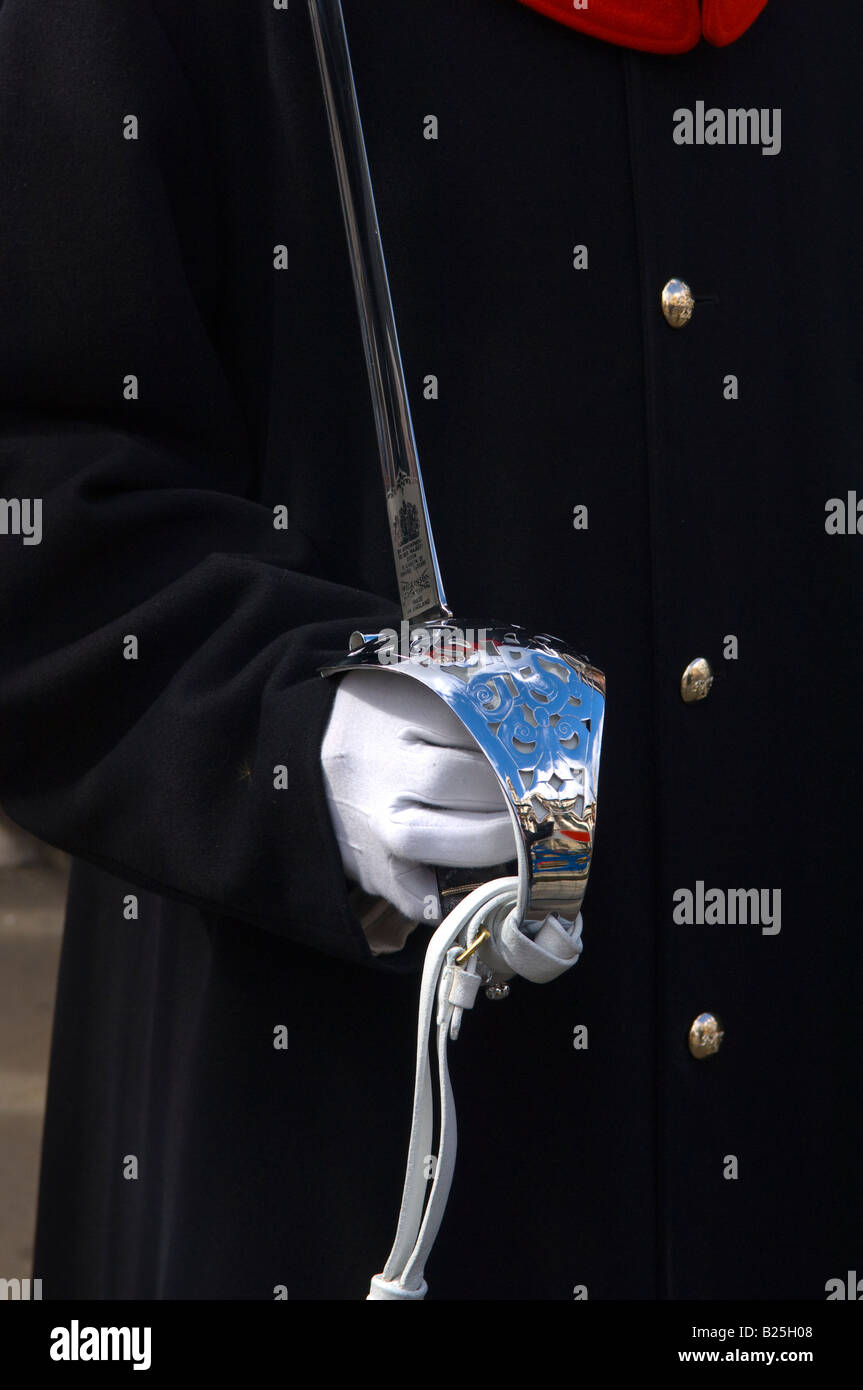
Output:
x=536 y=951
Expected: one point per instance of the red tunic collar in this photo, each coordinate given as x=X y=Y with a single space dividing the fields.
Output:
x=657 y=26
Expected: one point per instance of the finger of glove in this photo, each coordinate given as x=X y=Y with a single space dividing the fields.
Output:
x=389 y=704
x=412 y=888
x=450 y=778
x=455 y=839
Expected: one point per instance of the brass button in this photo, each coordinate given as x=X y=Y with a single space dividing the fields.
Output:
x=677 y=303
x=705 y=1036
x=696 y=680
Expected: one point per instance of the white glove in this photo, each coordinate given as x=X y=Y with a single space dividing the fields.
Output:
x=407 y=788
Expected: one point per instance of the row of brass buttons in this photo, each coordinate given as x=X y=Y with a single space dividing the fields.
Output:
x=705 y=1033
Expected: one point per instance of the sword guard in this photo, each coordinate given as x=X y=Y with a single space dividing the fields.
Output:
x=536 y=710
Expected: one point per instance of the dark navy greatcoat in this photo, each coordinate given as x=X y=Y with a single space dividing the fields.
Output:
x=167 y=381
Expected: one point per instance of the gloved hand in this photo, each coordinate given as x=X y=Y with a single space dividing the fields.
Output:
x=408 y=788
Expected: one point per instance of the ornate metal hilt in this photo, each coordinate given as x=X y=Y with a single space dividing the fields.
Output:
x=536 y=709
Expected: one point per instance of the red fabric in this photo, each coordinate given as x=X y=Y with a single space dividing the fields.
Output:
x=656 y=26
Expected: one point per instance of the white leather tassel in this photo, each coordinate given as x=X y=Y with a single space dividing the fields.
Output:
x=539 y=951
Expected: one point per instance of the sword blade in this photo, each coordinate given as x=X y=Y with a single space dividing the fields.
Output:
x=420 y=585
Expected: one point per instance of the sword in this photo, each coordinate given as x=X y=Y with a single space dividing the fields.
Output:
x=419 y=579
x=533 y=705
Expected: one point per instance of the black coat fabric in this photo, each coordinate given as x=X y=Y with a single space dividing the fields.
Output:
x=605 y=1168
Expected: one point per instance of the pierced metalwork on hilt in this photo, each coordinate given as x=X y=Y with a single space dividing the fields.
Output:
x=536 y=709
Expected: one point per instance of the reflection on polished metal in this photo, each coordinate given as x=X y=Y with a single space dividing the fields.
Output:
x=497 y=991
x=536 y=709
x=677 y=303
x=705 y=1036
x=696 y=681
x=533 y=705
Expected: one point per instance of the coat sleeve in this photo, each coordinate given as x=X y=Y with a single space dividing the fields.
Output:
x=160 y=709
